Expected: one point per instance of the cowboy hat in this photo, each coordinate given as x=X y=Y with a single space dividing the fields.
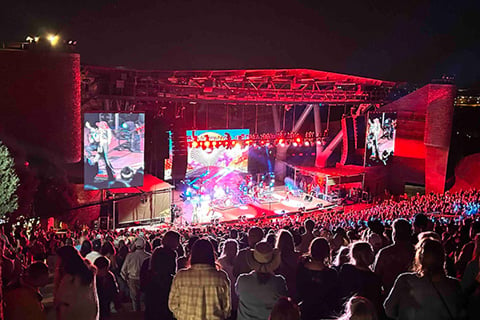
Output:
x=264 y=258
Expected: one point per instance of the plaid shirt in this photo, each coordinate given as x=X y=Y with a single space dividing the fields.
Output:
x=200 y=293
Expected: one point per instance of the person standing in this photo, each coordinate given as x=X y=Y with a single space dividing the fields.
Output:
x=227 y=259
x=259 y=290
x=289 y=261
x=95 y=253
x=308 y=236
x=357 y=278
x=396 y=258
x=107 y=288
x=255 y=235
x=131 y=271
x=156 y=282
x=317 y=284
x=75 y=294
x=426 y=293
x=471 y=282
x=22 y=300
x=201 y=291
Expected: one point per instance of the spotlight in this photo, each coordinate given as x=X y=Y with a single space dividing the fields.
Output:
x=53 y=39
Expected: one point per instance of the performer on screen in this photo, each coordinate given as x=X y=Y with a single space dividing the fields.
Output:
x=375 y=133
x=100 y=138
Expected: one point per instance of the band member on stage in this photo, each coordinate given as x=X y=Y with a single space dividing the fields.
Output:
x=100 y=138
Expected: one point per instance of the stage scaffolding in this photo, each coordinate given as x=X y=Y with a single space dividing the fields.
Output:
x=326 y=178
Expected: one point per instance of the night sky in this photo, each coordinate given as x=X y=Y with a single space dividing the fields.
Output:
x=413 y=41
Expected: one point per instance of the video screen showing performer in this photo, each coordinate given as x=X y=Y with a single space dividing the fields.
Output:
x=380 y=140
x=216 y=149
x=113 y=150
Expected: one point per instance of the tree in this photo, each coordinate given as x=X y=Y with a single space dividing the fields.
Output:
x=9 y=182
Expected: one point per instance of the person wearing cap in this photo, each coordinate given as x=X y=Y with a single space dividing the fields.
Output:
x=259 y=290
x=131 y=271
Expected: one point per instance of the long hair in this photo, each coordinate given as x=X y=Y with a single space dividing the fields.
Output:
x=362 y=253
x=203 y=253
x=285 y=243
x=359 y=308
x=233 y=245
x=73 y=264
x=429 y=258
x=107 y=248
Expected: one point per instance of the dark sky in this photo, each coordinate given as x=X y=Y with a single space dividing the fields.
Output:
x=413 y=41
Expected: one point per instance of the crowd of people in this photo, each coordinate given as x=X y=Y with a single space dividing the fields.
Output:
x=416 y=258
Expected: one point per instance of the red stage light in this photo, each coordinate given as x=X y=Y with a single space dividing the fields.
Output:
x=195 y=144
x=207 y=144
x=298 y=140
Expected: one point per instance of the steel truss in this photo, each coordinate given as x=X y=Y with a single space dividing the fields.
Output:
x=285 y=86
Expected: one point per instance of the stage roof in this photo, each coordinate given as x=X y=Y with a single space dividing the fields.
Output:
x=150 y=184
x=300 y=75
x=249 y=86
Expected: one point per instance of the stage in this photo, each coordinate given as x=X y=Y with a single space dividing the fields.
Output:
x=278 y=202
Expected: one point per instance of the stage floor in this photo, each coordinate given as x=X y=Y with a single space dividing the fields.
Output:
x=279 y=203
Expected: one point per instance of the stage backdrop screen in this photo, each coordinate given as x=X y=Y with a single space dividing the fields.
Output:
x=230 y=156
x=380 y=138
x=167 y=174
x=113 y=150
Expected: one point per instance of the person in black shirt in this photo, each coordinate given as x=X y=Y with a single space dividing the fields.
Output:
x=359 y=279
x=317 y=284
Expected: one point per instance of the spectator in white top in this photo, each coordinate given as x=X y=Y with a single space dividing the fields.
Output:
x=95 y=253
x=131 y=271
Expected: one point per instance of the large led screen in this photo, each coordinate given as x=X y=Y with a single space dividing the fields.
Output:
x=223 y=155
x=167 y=175
x=380 y=138
x=113 y=150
